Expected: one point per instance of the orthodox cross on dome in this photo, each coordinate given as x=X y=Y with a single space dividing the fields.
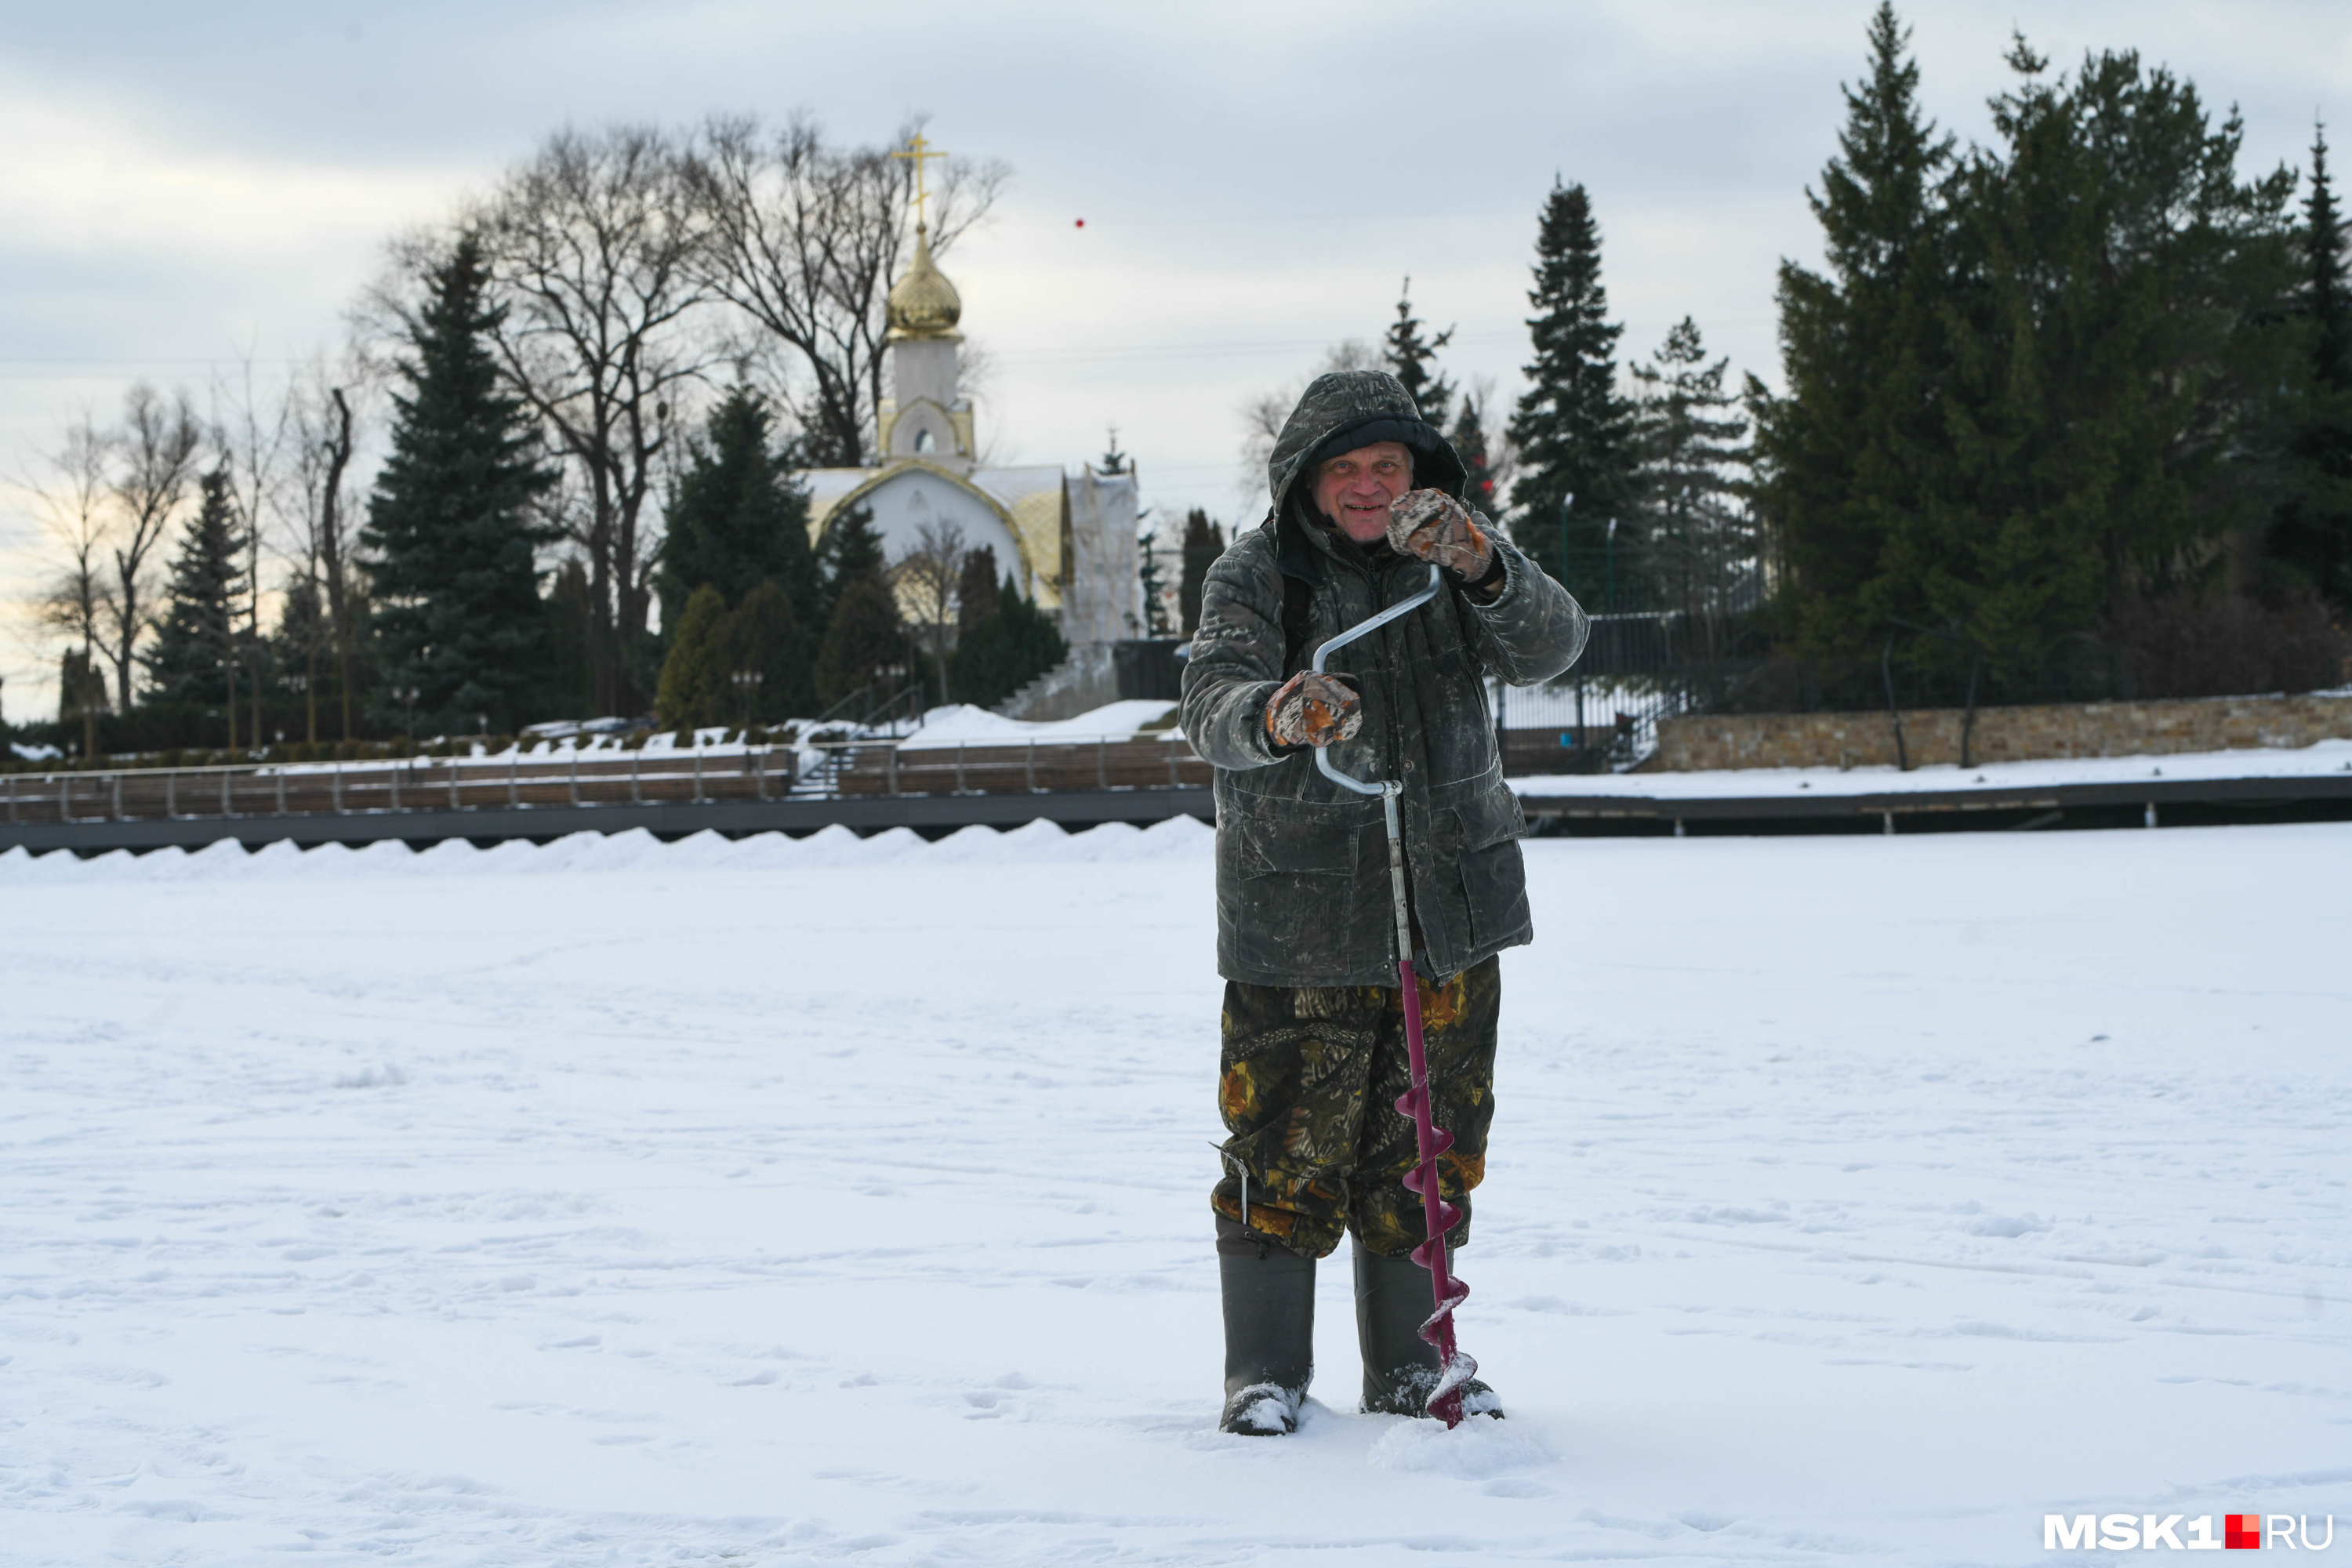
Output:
x=919 y=151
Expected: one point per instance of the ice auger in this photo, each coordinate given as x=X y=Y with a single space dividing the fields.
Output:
x=1430 y=1140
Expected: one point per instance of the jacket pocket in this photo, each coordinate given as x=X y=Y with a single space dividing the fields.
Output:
x=1494 y=873
x=1294 y=872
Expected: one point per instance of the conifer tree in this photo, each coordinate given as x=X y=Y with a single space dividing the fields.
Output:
x=197 y=648
x=1015 y=643
x=1412 y=359
x=863 y=641
x=1696 y=544
x=736 y=518
x=457 y=607
x=1204 y=542
x=976 y=588
x=850 y=548
x=1468 y=438
x=1572 y=427
x=1861 y=353
x=863 y=637
x=2100 y=390
x=1153 y=579
x=693 y=686
x=570 y=608
x=2313 y=533
x=767 y=639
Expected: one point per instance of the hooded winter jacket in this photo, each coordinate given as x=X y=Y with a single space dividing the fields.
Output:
x=1303 y=892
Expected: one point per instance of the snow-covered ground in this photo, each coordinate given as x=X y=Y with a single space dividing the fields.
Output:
x=1852 y=1200
x=960 y=722
x=2247 y=763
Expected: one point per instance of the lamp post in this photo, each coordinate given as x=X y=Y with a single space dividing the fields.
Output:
x=1612 y=553
x=407 y=696
x=747 y=689
x=1567 y=500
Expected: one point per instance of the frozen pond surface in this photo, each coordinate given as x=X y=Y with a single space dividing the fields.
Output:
x=1852 y=1200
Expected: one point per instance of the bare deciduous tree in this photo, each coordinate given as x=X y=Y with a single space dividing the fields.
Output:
x=804 y=239
x=155 y=456
x=72 y=501
x=253 y=430
x=325 y=521
x=927 y=578
x=1264 y=416
x=593 y=244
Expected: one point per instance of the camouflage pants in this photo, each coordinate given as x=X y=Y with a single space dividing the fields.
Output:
x=1309 y=1079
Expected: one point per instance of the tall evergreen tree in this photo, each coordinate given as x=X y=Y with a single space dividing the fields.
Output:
x=736 y=518
x=457 y=605
x=1204 y=542
x=197 y=648
x=2313 y=533
x=1573 y=427
x=1411 y=358
x=864 y=642
x=1468 y=438
x=1842 y=453
x=851 y=549
x=2117 y=349
x=1696 y=546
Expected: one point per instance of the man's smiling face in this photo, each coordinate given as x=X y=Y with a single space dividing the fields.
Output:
x=1354 y=490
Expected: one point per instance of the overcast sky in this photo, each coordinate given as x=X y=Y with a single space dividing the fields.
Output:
x=183 y=185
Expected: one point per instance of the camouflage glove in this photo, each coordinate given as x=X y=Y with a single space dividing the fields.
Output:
x=1437 y=528
x=1313 y=710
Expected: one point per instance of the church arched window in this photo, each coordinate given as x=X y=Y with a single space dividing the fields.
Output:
x=923 y=439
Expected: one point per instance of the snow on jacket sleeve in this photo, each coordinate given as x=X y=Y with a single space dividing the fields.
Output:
x=1237 y=658
x=1530 y=631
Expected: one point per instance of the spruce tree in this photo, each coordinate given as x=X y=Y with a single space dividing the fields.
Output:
x=2115 y=351
x=1572 y=427
x=1204 y=542
x=851 y=549
x=1468 y=438
x=198 y=645
x=1412 y=359
x=457 y=607
x=736 y=518
x=1015 y=643
x=1848 y=448
x=2312 y=535
x=1696 y=544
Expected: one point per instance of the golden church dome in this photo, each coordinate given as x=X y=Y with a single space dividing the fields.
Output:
x=923 y=303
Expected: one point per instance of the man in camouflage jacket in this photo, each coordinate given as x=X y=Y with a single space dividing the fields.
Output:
x=1312 y=1054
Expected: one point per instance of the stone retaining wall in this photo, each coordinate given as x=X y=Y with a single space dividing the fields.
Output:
x=2001 y=735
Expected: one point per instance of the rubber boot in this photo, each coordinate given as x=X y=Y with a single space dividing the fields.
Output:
x=1401 y=1368
x=1269 y=1338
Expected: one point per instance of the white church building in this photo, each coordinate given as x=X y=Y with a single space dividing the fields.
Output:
x=1067 y=540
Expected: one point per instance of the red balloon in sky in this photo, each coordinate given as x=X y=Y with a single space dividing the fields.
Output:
x=1082 y=223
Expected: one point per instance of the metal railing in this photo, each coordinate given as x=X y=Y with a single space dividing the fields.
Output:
x=894 y=766
x=417 y=784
